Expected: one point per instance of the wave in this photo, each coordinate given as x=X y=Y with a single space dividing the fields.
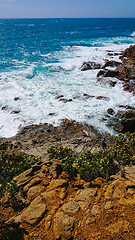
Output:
x=133 y=34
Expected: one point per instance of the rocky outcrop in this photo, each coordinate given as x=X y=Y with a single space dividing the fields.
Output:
x=62 y=209
x=124 y=121
x=124 y=71
x=89 y=66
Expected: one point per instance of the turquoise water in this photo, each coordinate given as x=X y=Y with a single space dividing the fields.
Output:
x=41 y=58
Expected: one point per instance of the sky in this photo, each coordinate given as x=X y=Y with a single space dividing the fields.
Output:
x=67 y=8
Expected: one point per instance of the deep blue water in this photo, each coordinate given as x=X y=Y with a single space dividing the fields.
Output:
x=40 y=58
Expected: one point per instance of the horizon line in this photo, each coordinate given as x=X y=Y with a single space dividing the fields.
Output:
x=68 y=18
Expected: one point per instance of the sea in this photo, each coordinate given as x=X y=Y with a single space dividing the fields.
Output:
x=41 y=59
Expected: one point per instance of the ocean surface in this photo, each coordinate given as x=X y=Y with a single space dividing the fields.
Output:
x=41 y=59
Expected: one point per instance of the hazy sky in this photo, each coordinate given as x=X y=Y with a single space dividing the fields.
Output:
x=66 y=8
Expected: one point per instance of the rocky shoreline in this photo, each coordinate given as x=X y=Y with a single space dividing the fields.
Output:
x=57 y=207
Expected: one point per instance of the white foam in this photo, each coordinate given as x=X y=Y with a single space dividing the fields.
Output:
x=37 y=88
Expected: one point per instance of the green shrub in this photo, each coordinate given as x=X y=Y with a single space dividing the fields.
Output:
x=99 y=164
x=12 y=165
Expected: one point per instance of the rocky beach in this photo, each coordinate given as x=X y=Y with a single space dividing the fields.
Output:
x=50 y=202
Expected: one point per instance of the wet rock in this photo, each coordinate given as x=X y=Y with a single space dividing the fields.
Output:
x=125 y=121
x=16 y=99
x=6 y=108
x=65 y=100
x=87 y=96
x=111 y=63
x=16 y=111
x=102 y=98
x=63 y=225
x=107 y=73
x=90 y=65
x=59 y=96
x=110 y=111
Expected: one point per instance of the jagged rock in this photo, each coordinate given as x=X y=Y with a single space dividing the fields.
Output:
x=85 y=194
x=58 y=183
x=63 y=225
x=107 y=73
x=24 y=177
x=35 y=191
x=34 y=213
x=70 y=207
x=111 y=63
x=90 y=65
x=33 y=182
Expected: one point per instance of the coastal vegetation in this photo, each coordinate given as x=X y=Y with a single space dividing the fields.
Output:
x=91 y=165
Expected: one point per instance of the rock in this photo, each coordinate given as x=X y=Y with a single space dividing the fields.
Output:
x=103 y=98
x=63 y=225
x=87 y=96
x=85 y=194
x=83 y=205
x=16 y=111
x=108 y=205
x=65 y=100
x=34 y=213
x=56 y=169
x=35 y=191
x=111 y=63
x=16 y=98
x=125 y=121
x=90 y=65
x=127 y=201
x=24 y=177
x=95 y=210
x=118 y=192
x=110 y=111
x=70 y=207
x=33 y=182
x=107 y=73
x=118 y=227
x=58 y=96
x=49 y=194
x=112 y=83
x=58 y=183
x=63 y=194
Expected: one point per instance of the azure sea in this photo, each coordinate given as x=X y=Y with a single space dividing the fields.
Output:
x=41 y=59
